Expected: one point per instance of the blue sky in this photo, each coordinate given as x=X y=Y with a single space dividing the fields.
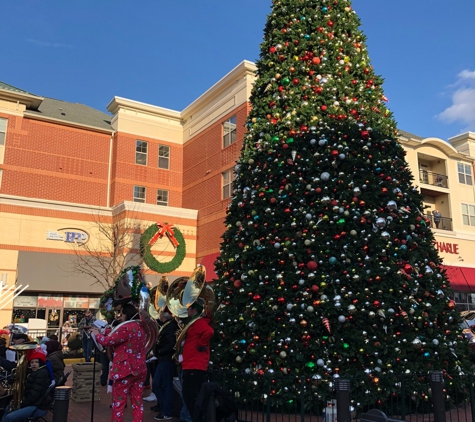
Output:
x=167 y=53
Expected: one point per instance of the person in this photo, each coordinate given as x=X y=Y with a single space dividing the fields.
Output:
x=128 y=363
x=56 y=358
x=195 y=353
x=162 y=383
x=66 y=331
x=85 y=325
x=437 y=218
x=9 y=362
x=35 y=401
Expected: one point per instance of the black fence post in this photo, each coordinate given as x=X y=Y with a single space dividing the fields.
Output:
x=403 y=396
x=61 y=404
x=268 y=388
x=438 y=400
x=472 y=397
x=302 y=399
x=343 y=400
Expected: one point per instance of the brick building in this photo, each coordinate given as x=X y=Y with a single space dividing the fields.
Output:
x=64 y=165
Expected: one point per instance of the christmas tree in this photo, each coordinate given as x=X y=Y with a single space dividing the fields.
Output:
x=328 y=267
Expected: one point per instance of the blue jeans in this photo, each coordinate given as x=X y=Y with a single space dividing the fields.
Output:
x=24 y=413
x=162 y=386
x=184 y=414
x=87 y=348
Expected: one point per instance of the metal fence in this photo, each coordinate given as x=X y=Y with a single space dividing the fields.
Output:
x=259 y=398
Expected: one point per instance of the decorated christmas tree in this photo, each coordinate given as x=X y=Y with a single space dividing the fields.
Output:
x=328 y=267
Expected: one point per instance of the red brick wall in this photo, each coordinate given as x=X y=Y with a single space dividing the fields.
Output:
x=50 y=161
x=203 y=162
x=126 y=174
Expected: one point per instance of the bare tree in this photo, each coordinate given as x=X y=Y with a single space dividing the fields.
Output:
x=111 y=247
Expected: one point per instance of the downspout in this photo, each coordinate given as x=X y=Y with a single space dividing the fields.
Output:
x=109 y=173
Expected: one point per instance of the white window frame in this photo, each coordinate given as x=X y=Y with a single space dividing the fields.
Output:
x=227 y=179
x=163 y=157
x=3 y=137
x=163 y=197
x=138 y=193
x=140 y=154
x=468 y=215
x=465 y=173
x=229 y=131
x=3 y=130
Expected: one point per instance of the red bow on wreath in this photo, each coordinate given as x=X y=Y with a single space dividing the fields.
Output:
x=164 y=229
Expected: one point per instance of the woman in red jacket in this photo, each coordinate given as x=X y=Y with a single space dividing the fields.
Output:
x=128 y=364
x=195 y=354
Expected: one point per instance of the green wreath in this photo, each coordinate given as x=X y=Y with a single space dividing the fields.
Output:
x=151 y=261
x=106 y=303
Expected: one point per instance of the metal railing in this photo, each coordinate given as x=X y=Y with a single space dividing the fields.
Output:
x=434 y=179
x=273 y=397
x=445 y=223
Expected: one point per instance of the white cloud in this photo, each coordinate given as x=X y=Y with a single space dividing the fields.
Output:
x=48 y=44
x=462 y=109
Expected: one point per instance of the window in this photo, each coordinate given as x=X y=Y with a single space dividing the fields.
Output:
x=141 y=153
x=139 y=194
x=3 y=130
x=468 y=214
x=465 y=173
x=163 y=157
x=162 y=197
x=228 y=178
x=229 y=131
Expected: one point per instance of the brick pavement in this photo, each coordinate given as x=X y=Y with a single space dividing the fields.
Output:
x=81 y=412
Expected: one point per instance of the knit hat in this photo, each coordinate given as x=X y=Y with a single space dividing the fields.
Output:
x=52 y=346
x=36 y=354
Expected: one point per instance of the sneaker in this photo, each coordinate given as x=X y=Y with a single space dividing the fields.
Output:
x=151 y=397
x=161 y=417
x=155 y=408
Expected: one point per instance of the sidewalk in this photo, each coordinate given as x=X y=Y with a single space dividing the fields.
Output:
x=81 y=412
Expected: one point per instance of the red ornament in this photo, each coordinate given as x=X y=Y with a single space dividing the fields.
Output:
x=312 y=265
x=316 y=60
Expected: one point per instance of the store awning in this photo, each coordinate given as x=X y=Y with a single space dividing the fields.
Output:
x=462 y=279
x=208 y=263
x=53 y=273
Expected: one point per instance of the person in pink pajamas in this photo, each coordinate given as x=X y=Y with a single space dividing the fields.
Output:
x=128 y=363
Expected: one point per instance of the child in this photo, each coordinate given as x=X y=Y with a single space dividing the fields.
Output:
x=35 y=403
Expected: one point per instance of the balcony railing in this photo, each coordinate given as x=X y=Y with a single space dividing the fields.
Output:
x=445 y=223
x=434 y=179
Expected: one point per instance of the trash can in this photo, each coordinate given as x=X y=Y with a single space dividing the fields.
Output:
x=83 y=375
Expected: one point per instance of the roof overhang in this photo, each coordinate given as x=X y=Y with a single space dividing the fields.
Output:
x=31 y=101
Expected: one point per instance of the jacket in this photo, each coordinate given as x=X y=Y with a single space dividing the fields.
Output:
x=129 y=350
x=57 y=362
x=196 y=348
x=36 y=384
x=165 y=347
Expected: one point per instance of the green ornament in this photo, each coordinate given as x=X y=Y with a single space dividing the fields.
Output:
x=285 y=81
x=341 y=222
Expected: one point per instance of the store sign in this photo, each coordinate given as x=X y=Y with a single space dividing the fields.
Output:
x=69 y=235
x=25 y=302
x=52 y=301
x=446 y=247
x=76 y=302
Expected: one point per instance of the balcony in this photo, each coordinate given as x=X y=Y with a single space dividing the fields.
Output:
x=433 y=179
x=444 y=224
